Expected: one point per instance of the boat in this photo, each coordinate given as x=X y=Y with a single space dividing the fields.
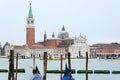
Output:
x=53 y=58
x=3 y=56
x=66 y=74
x=117 y=60
x=57 y=58
x=36 y=75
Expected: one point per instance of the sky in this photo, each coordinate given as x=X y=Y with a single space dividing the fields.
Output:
x=98 y=20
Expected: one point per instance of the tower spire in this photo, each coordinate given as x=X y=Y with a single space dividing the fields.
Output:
x=30 y=12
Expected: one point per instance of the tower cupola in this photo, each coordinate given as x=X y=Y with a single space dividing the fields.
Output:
x=63 y=33
x=30 y=19
x=53 y=35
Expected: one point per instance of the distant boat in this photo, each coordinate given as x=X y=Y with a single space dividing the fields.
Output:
x=36 y=75
x=117 y=60
x=66 y=74
x=3 y=56
x=53 y=58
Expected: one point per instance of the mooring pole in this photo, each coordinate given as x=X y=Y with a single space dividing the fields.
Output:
x=16 y=65
x=61 y=67
x=79 y=54
x=33 y=62
x=11 y=66
x=45 y=65
x=69 y=64
x=86 y=65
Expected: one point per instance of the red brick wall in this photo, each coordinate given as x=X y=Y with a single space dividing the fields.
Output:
x=30 y=36
x=52 y=42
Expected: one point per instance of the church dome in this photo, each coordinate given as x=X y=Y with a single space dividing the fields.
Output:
x=63 y=34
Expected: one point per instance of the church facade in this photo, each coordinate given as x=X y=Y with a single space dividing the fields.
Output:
x=80 y=47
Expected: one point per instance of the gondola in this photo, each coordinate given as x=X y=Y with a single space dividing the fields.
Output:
x=36 y=75
x=66 y=74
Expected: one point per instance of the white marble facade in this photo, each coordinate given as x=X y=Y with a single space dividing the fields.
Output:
x=79 y=48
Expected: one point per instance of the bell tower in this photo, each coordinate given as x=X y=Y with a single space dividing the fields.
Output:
x=30 y=29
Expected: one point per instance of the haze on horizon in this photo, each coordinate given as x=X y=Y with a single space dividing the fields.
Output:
x=98 y=20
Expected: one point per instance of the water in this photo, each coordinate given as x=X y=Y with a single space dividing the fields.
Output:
x=77 y=64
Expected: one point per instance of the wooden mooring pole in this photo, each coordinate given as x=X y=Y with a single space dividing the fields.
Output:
x=61 y=67
x=69 y=64
x=11 y=66
x=45 y=65
x=16 y=65
x=86 y=65
x=34 y=64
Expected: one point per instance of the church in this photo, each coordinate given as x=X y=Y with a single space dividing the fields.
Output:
x=62 y=44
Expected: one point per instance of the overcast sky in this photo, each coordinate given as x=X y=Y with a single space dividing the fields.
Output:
x=98 y=20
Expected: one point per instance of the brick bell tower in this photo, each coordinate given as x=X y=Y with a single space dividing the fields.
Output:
x=30 y=29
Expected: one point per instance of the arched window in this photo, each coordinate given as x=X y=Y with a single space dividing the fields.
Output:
x=27 y=22
x=32 y=22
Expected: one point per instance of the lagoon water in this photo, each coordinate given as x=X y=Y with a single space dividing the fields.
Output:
x=77 y=64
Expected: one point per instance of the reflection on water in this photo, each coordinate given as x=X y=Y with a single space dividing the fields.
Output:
x=77 y=64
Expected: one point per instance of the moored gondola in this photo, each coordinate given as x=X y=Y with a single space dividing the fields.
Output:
x=36 y=75
x=66 y=74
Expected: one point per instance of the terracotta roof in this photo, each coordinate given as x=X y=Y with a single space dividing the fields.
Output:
x=19 y=47
x=105 y=45
x=107 y=53
x=36 y=46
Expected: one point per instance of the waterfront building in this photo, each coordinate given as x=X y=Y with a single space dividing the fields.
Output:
x=105 y=50
x=54 y=46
